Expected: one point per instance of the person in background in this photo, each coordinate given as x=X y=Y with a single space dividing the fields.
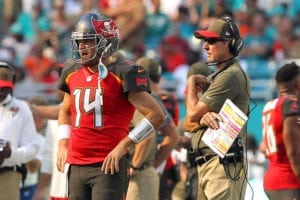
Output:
x=48 y=111
x=281 y=128
x=257 y=161
x=144 y=180
x=130 y=17
x=28 y=188
x=218 y=178
x=18 y=134
x=165 y=168
x=186 y=188
x=100 y=97
x=50 y=176
x=258 y=43
x=34 y=24
x=51 y=182
x=155 y=32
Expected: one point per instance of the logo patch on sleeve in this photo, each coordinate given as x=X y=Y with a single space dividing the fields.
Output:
x=141 y=81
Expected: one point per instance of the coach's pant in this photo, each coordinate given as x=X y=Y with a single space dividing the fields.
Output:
x=10 y=185
x=144 y=185
x=214 y=183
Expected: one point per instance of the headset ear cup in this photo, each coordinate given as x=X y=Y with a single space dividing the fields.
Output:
x=238 y=45
x=231 y=46
x=235 y=46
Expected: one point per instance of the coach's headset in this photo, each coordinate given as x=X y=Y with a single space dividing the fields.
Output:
x=236 y=43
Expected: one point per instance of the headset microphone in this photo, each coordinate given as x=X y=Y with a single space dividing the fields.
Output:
x=220 y=62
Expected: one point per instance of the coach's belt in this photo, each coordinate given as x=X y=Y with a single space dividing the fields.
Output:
x=200 y=160
x=6 y=169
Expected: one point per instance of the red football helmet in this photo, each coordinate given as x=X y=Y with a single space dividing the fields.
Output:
x=99 y=27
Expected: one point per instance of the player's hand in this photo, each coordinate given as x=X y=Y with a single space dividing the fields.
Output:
x=62 y=154
x=111 y=162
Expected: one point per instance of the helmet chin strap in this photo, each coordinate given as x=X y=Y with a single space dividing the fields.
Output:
x=102 y=73
x=102 y=69
x=7 y=99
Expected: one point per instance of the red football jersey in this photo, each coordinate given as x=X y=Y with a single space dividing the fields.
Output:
x=100 y=121
x=279 y=174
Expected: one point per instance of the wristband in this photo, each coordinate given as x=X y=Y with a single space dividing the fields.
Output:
x=143 y=129
x=64 y=131
x=135 y=168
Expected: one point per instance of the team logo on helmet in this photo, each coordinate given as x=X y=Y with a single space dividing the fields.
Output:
x=106 y=28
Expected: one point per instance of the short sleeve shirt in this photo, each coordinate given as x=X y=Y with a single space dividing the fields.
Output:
x=100 y=119
x=230 y=83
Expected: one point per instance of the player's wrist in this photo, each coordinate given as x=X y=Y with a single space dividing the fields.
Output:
x=135 y=168
x=64 y=131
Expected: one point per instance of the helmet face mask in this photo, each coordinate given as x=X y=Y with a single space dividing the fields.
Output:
x=91 y=46
x=98 y=27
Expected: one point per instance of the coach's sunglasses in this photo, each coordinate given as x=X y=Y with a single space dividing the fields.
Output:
x=213 y=41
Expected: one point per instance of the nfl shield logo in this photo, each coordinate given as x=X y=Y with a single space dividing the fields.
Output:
x=89 y=78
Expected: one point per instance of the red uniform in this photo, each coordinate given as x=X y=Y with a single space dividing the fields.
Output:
x=97 y=127
x=279 y=175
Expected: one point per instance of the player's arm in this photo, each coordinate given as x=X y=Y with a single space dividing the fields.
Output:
x=64 y=121
x=154 y=118
x=147 y=106
x=291 y=137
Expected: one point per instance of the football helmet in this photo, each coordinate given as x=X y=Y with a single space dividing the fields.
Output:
x=96 y=26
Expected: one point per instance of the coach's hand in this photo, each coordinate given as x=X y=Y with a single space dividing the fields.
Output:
x=211 y=120
x=5 y=153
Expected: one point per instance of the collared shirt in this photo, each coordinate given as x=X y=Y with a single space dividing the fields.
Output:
x=232 y=83
x=18 y=128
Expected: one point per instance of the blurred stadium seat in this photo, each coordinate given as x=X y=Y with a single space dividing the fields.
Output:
x=261 y=74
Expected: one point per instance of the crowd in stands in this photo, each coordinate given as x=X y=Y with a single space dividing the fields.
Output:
x=35 y=36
